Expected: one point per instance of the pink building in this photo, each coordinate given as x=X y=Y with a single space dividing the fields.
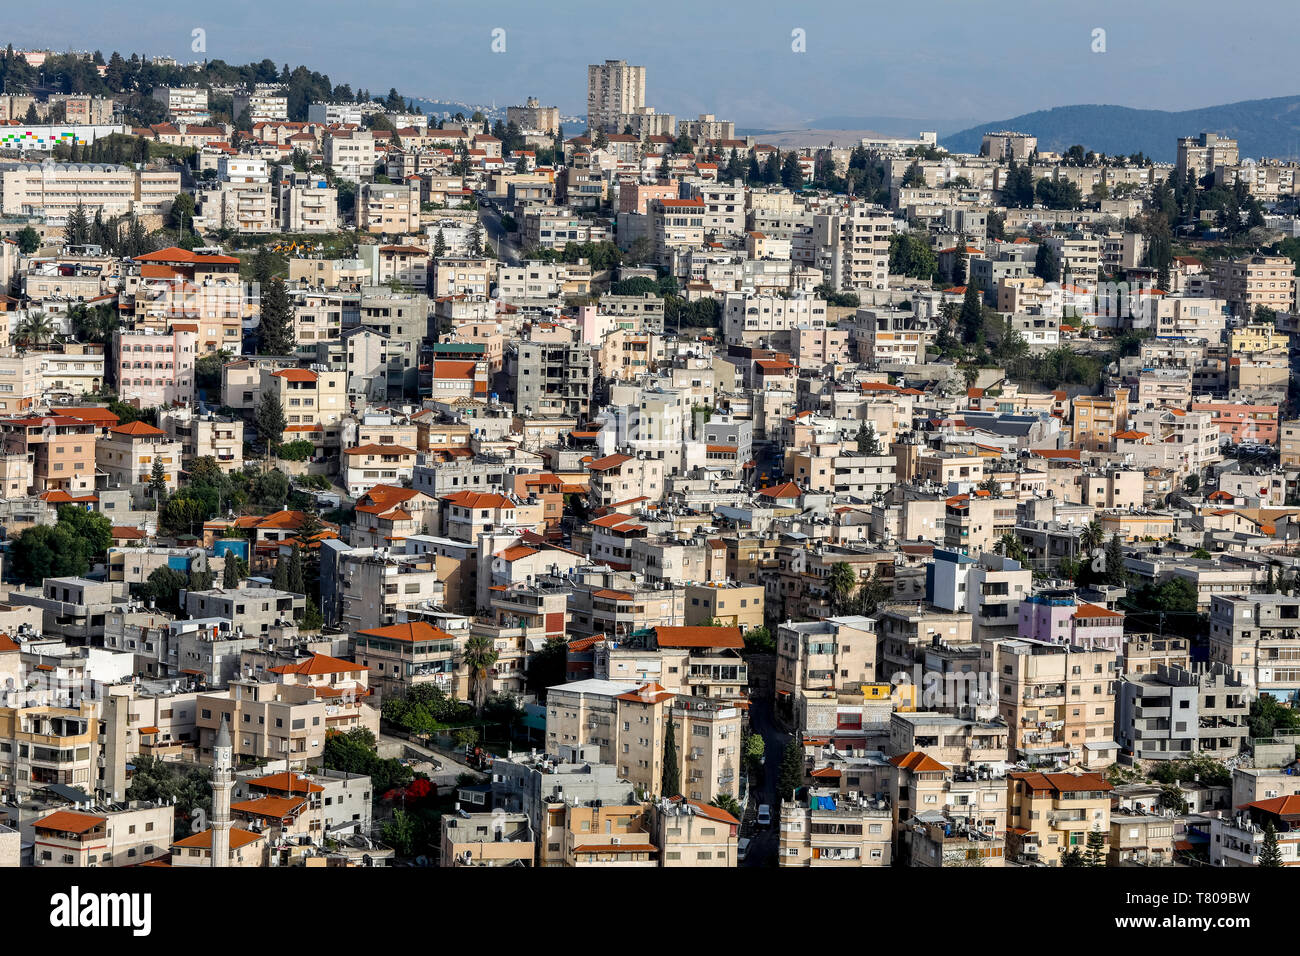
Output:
x=1055 y=617
x=156 y=368
x=1256 y=423
x=813 y=348
x=1047 y=616
x=1097 y=628
x=636 y=197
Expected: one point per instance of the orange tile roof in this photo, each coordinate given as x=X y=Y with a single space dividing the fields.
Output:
x=297 y=375
x=785 y=490
x=609 y=461
x=1062 y=782
x=136 y=429
x=1095 y=610
x=286 y=782
x=374 y=449
x=478 y=499
x=412 y=631
x=203 y=841
x=651 y=693
x=516 y=552
x=65 y=821
x=320 y=664
x=175 y=254
x=274 y=808
x=699 y=636
x=917 y=761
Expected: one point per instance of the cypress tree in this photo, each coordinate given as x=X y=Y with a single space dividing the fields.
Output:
x=671 y=781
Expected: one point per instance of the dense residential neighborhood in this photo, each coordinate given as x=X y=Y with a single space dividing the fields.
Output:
x=390 y=488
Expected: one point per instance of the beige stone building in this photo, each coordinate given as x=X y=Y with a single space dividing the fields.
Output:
x=825 y=828
x=1050 y=814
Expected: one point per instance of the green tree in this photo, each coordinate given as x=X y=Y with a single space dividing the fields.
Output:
x=791 y=774
x=960 y=257
x=275 y=328
x=280 y=578
x=158 y=482
x=181 y=212
x=76 y=228
x=841 y=583
x=270 y=419
x=1116 y=573
x=791 y=171
x=296 y=584
x=230 y=575
x=1073 y=857
x=1009 y=546
x=1270 y=854
x=1267 y=716
x=1095 y=854
x=971 y=318
x=725 y=801
x=399 y=833
x=164 y=586
x=755 y=751
x=1047 y=266
x=869 y=441
x=671 y=781
x=28 y=239
x=479 y=656
x=547 y=667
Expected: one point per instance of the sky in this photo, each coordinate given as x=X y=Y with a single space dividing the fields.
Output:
x=945 y=60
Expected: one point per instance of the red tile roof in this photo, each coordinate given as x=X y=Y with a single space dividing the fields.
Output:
x=699 y=636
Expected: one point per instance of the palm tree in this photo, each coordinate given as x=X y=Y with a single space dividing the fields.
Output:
x=1092 y=537
x=479 y=656
x=34 y=329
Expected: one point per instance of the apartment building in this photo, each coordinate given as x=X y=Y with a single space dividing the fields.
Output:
x=1050 y=814
x=122 y=836
x=307 y=203
x=824 y=828
x=40 y=746
x=1177 y=713
x=265 y=103
x=54 y=189
x=156 y=368
x=389 y=208
x=1201 y=156
x=199 y=289
x=351 y=154
x=851 y=246
x=206 y=436
x=1254 y=281
x=268 y=721
x=402 y=655
x=613 y=88
x=1257 y=637
x=1058 y=701
x=128 y=453
x=61 y=451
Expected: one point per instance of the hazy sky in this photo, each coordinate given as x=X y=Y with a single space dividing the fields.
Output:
x=945 y=59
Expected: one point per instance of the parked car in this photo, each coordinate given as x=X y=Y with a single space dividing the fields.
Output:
x=742 y=848
x=764 y=815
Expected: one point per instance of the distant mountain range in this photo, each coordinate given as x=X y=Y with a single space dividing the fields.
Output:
x=1268 y=127
x=881 y=125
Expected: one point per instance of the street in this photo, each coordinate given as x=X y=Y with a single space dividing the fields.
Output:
x=507 y=251
x=766 y=840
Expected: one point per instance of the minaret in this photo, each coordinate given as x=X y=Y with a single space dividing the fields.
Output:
x=223 y=778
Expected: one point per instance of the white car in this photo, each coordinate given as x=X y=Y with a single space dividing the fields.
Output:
x=764 y=815
x=742 y=848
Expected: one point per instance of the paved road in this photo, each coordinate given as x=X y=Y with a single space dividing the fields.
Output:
x=762 y=851
x=507 y=250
